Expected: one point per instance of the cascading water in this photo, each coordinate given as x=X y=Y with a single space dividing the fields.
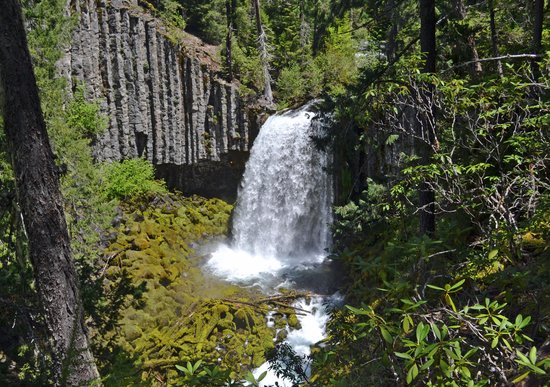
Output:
x=284 y=206
x=281 y=223
x=283 y=212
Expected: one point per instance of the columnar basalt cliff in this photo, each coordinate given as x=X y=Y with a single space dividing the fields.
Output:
x=165 y=101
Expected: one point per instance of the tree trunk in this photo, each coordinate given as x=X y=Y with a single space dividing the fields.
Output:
x=426 y=118
x=478 y=69
x=228 y=39
x=494 y=37
x=393 y=30
x=39 y=196
x=427 y=34
x=304 y=27
x=264 y=54
x=537 y=35
x=459 y=13
x=316 y=41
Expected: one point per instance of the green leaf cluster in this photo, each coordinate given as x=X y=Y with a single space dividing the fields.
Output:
x=435 y=343
x=131 y=179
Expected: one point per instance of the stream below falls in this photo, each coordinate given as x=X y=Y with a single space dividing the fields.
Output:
x=281 y=224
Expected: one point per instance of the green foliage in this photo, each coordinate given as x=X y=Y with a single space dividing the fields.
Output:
x=7 y=177
x=182 y=315
x=171 y=13
x=331 y=71
x=247 y=68
x=288 y=365
x=289 y=41
x=435 y=343
x=503 y=115
x=289 y=25
x=155 y=314
x=354 y=217
x=337 y=63
x=206 y=19
x=85 y=117
x=130 y=179
x=421 y=322
x=291 y=85
x=50 y=31
x=199 y=374
x=532 y=365
x=296 y=84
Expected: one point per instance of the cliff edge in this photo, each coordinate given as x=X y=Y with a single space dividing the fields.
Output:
x=165 y=100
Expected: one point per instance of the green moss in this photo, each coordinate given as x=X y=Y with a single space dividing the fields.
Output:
x=183 y=315
x=132 y=332
x=293 y=321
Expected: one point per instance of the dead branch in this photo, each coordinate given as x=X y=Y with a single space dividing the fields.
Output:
x=280 y=300
x=514 y=56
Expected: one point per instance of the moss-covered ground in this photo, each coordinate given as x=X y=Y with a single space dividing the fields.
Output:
x=180 y=313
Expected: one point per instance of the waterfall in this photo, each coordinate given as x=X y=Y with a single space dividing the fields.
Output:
x=283 y=213
x=284 y=205
x=281 y=223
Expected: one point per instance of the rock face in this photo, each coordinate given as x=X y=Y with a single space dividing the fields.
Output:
x=165 y=101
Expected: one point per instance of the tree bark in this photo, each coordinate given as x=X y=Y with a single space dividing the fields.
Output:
x=39 y=196
x=426 y=117
x=317 y=30
x=427 y=34
x=393 y=30
x=228 y=39
x=494 y=37
x=304 y=27
x=264 y=53
x=537 y=35
x=459 y=13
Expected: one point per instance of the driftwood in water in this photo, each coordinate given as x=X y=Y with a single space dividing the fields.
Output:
x=280 y=300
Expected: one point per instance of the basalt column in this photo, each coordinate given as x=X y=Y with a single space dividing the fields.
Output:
x=165 y=100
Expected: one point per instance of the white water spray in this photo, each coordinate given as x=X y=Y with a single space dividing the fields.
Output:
x=282 y=219
x=283 y=212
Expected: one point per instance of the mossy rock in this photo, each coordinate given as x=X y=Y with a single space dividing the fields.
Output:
x=534 y=242
x=134 y=229
x=131 y=332
x=141 y=242
x=293 y=321
x=182 y=316
x=281 y=335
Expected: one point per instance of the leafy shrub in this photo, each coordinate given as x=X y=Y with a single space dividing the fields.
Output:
x=337 y=62
x=247 y=67
x=131 y=178
x=171 y=12
x=355 y=217
x=85 y=117
x=298 y=83
x=291 y=85
x=205 y=19
x=435 y=342
x=199 y=374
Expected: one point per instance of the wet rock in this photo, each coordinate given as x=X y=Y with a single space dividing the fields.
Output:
x=117 y=220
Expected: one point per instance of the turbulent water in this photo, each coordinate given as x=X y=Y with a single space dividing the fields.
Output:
x=284 y=206
x=282 y=218
x=283 y=211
